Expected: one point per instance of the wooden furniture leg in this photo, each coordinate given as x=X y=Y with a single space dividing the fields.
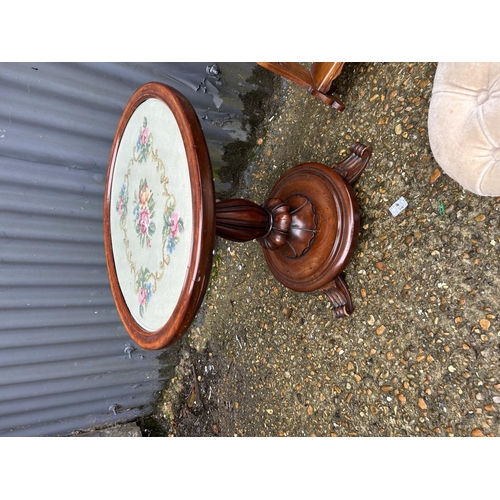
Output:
x=317 y=80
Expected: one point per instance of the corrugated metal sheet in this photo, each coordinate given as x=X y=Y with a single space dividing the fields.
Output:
x=64 y=364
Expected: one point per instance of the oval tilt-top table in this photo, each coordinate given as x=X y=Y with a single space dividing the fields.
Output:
x=161 y=219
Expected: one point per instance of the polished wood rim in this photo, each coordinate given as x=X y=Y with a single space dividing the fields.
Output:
x=203 y=210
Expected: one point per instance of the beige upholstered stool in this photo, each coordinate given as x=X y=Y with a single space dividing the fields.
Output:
x=464 y=124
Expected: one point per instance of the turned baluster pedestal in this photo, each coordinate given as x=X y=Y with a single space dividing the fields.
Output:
x=308 y=227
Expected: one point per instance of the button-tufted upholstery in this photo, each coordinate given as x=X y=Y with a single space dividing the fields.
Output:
x=464 y=124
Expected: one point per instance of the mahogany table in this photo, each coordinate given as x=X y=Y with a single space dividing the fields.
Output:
x=161 y=219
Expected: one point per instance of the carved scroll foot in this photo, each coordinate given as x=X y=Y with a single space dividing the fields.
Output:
x=340 y=297
x=352 y=167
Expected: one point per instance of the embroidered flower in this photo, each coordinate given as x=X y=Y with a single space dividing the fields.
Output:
x=144 y=142
x=144 y=289
x=172 y=226
x=144 y=213
x=144 y=195
x=121 y=203
x=144 y=135
x=144 y=220
x=119 y=206
x=143 y=295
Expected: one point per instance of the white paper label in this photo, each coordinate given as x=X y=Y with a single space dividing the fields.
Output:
x=398 y=207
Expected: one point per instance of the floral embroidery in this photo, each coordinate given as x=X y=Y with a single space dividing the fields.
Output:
x=146 y=281
x=121 y=204
x=172 y=226
x=144 y=289
x=144 y=142
x=143 y=213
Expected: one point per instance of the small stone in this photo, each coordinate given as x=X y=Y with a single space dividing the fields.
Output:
x=480 y=218
x=371 y=320
x=398 y=129
x=421 y=404
x=270 y=411
x=489 y=408
x=451 y=369
x=380 y=330
x=386 y=388
x=380 y=266
x=363 y=293
x=309 y=410
x=402 y=398
x=477 y=433
x=435 y=175
x=390 y=356
x=485 y=323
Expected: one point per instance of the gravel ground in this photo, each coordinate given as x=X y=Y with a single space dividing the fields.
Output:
x=420 y=354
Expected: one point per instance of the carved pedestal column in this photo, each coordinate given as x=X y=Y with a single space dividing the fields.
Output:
x=308 y=227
